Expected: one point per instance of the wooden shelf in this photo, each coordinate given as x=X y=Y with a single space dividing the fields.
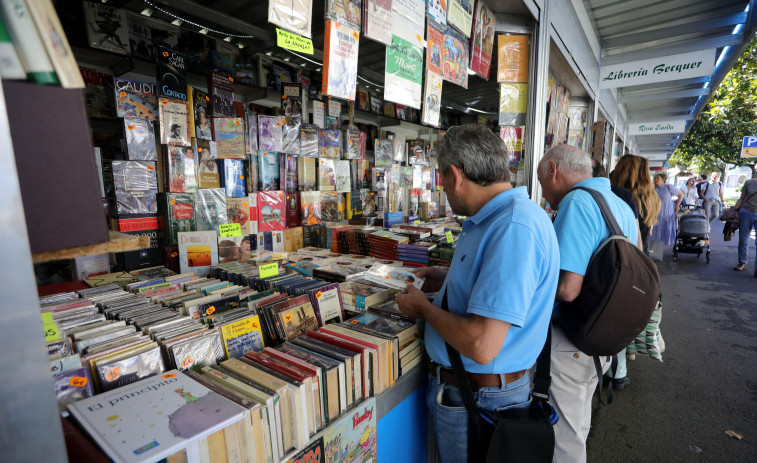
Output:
x=119 y=242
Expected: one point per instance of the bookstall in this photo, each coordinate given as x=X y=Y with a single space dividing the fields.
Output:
x=216 y=199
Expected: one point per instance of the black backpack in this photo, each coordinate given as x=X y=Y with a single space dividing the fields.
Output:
x=620 y=290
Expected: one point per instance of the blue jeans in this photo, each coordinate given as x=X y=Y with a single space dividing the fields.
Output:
x=747 y=221
x=451 y=418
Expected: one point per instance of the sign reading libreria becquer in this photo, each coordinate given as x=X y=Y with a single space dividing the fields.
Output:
x=404 y=73
x=666 y=68
x=340 y=65
x=654 y=128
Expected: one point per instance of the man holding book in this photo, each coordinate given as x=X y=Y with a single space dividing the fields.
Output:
x=499 y=289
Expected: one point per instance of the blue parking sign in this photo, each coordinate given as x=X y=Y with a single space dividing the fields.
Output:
x=749 y=147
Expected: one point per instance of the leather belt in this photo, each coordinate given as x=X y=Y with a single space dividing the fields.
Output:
x=477 y=380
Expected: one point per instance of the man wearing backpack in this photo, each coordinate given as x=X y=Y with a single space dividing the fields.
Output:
x=580 y=230
x=711 y=194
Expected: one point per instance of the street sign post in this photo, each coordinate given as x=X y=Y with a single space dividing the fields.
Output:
x=749 y=147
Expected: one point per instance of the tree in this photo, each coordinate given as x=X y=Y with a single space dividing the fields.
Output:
x=715 y=137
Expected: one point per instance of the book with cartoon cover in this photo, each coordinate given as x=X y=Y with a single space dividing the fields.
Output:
x=355 y=436
x=135 y=99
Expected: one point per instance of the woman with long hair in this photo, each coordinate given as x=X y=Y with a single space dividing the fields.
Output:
x=632 y=173
x=690 y=193
x=666 y=221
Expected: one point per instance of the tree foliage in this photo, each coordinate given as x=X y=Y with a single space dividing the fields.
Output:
x=715 y=137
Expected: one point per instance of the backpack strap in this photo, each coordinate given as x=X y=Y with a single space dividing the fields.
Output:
x=612 y=224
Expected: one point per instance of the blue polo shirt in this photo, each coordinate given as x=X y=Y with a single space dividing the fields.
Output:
x=581 y=229
x=506 y=267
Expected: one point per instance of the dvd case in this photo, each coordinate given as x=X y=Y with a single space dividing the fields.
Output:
x=309 y=140
x=140 y=139
x=306 y=173
x=135 y=99
x=210 y=209
x=270 y=133
x=174 y=122
x=268 y=171
x=229 y=137
x=329 y=143
x=179 y=169
x=271 y=210
x=326 y=175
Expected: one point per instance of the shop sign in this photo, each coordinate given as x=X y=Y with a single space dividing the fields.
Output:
x=659 y=127
x=662 y=157
x=666 y=68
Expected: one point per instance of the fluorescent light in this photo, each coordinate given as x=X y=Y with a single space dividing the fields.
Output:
x=227 y=39
x=177 y=22
x=203 y=31
x=470 y=72
x=147 y=12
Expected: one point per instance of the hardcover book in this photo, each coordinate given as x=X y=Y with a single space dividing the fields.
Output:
x=242 y=336
x=207 y=168
x=268 y=171
x=251 y=124
x=106 y=27
x=288 y=172
x=309 y=140
x=311 y=207
x=271 y=207
x=134 y=186
x=293 y=213
x=352 y=144
x=229 y=137
x=383 y=152
x=418 y=153
x=199 y=120
x=210 y=209
x=174 y=122
x=198 y=251
x=221 y=90
x=329 y=143
x=340 y=58
x=342 y=175
x=270 y=133
x=179 y=169
x=155 y=417
x=98 y=88
x=177 y=214
x=326 y=175
x=238 y=211
x=306 y=173
x=291 y=99
x=296 y=317
x=377 y=20
x=330 y=206
x=290 y=135
x=232 y=177
x=172 y=74
x=135 y=99
x=140 y=139
x=196 y=352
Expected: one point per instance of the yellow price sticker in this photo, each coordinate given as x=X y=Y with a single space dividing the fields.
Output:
x=229 y=229
x=417 y=222
x=288 y=317
x=52 y=332
x=268 y=270
x=47 y=318
x=450 y=238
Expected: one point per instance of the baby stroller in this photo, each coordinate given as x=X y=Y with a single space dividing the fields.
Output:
x=693 y=233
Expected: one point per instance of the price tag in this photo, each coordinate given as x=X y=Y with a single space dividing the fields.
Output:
x=211 y=310
x=165 y=54
x=47 y=318
x=122 y=94
x=78 y=381
x=269 y=270
x=174 y=254
x=150 y=167
x=450 y=238
x=207 y=98
x=52 y=332
x=356 y=35
x=169 y=375
x=237 y=123
x=164 y=101
x=283 y=97
x=245 y=205
x=417 y=222
x=229 y=229
x=113 y=374
x=131 y=127
x=173 y=201
x=287 y=317
x=187 y=362
x=231 y=79
x=255 y=325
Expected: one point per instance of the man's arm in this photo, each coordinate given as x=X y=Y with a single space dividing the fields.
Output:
x=638 y=240
x=478 y=338
x=569 y=286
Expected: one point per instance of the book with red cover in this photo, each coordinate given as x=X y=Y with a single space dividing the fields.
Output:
x=271 y=211
x=383 y=361
x=369 y=358
x=315 y=371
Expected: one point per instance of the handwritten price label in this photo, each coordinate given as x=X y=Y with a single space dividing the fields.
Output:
x=113 y=374
x=287 y=317
x=150 y=167
x=268 y=270
x=173 y=201
x=165 y=54
x=169 y=375
x=318 y=295
x=230 y=229
x=450 y=238
x=237 y=123
x=255 y=325
x=52 y=332
x=78 y=381
x=174 y=254
x=187 y=362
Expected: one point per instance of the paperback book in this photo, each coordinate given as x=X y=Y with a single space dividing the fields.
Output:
x=135 y=99
x=221 y=90
x=340 y=57
x=270 y=133
x=140 y=37
x=434 y=45
x=437 y=10
x=293 y=16
x=432 y=99
x=329 y=143
x=377 y=20
x=291 y=99
x=229 y=137
x=383 y=152
x=98 y=88
x=311 y=207
x=403 y=75
x=288 y=172
x=242 y=336
x=483 y=40
x=460 y=16
x=198 y=251
x=238 y=210
x=232 y=177
x=172 y=74
x=268 y=170
x=199 y=110
x=271 y=209
x=342 y=176
x=140 y=139
x=309 y=140
x=179 y=169
x=207 y=168
x=347 y=12
x=174 y=122
x=330 y=206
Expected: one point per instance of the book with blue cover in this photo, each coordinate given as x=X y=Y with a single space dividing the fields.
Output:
x=232 y=177
x=268 y=170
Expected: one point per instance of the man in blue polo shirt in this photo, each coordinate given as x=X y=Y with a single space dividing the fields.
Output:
x=580 y=230
x=500 y=287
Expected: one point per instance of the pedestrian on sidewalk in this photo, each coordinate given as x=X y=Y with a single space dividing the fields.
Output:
x=747 y=205
x=632 y=173
x=665 y=230
x=580 y=230
x=711 y=194
x=690 y=192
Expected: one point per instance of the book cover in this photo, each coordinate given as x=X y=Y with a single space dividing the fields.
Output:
x=271 y=209
x=291 y=99
x=460 y=16
x=329 y=143
x=330 y=210
x=98 y=88
x=347 y=12
x=309 y=140
x=290 y=135
x=106 y=27
x=340 y=57
x=403 y=74
x=172 y=74
x=154 y=418
x=434 y=45
x=242 y=336
x=140 y=139
x=327 y=302
x=383 y=152
x=409 y=14
x=199 y=109
x=326 y=175
x=223 y=56
x=377 y=20
x=140 y=37
x=245 y=70
x=392 y=277
x=232 y=177
x=238 y=211
x=319 y=114
x=174 y=122
x=119 y=373
x=252 y=132
x=354 y=437
x=221 y=90
x=207 y=169
x=269 y=173
x=352 y=144
x=229 y=137
x=483 y=40
x=134 y=186
x=313 y=453
x=432 y=99
x=363 y=100
x=281 y=74
x=270 y=133
x=198 y=251
x=177 y=214
x=455 y=57
x=512 y=58
x=135 y=99
x=297 y=319
x=418 y=153
x=197 y=352
x=333 y=114
x=165 y=35
x=288 y=172
x=210 y=209
x=293 y=213
x=306 y=173
x=437 y=11
x=342 y=176
x=311 y=207
x=73 y=386
x=356 y=200
x=513 y=104
x=179 y=168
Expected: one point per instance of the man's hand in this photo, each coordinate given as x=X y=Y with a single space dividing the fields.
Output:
x=434 y=277
x=412 y=302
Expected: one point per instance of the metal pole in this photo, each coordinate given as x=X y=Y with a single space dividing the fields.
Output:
x=535 y=129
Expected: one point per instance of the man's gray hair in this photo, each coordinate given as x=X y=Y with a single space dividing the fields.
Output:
x=570 y=161
x=477 y=151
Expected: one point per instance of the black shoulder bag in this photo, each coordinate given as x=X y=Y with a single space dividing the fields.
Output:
x=519 y=435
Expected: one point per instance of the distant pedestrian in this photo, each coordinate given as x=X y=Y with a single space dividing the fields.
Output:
x=690 y=193
x=711 y=194
x=632 y=173
x=665 y=230
x=747 y=222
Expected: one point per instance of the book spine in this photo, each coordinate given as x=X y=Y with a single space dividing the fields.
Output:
x=10 y=64
x=327 y=49
x=23 y=33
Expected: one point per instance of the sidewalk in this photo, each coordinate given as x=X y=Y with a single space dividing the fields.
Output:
x=679 y=410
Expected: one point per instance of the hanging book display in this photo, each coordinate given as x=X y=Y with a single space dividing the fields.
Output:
x=460 y=15
x=292 y=15
x=106 y=27
x=411 y=15
x=174 y=122
x=437 y=10
x=432 y=99
x=404 y=71
x=483 y=40
x=200 y=122
x=455 y=58
x=140 y=139
x=135 y=99
x=229 y=137
x=345 y=12
x=340 y=62
x=171 y=74
x=434 y=44
x=377 y=20
x=512 y=58
x=513 y=103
